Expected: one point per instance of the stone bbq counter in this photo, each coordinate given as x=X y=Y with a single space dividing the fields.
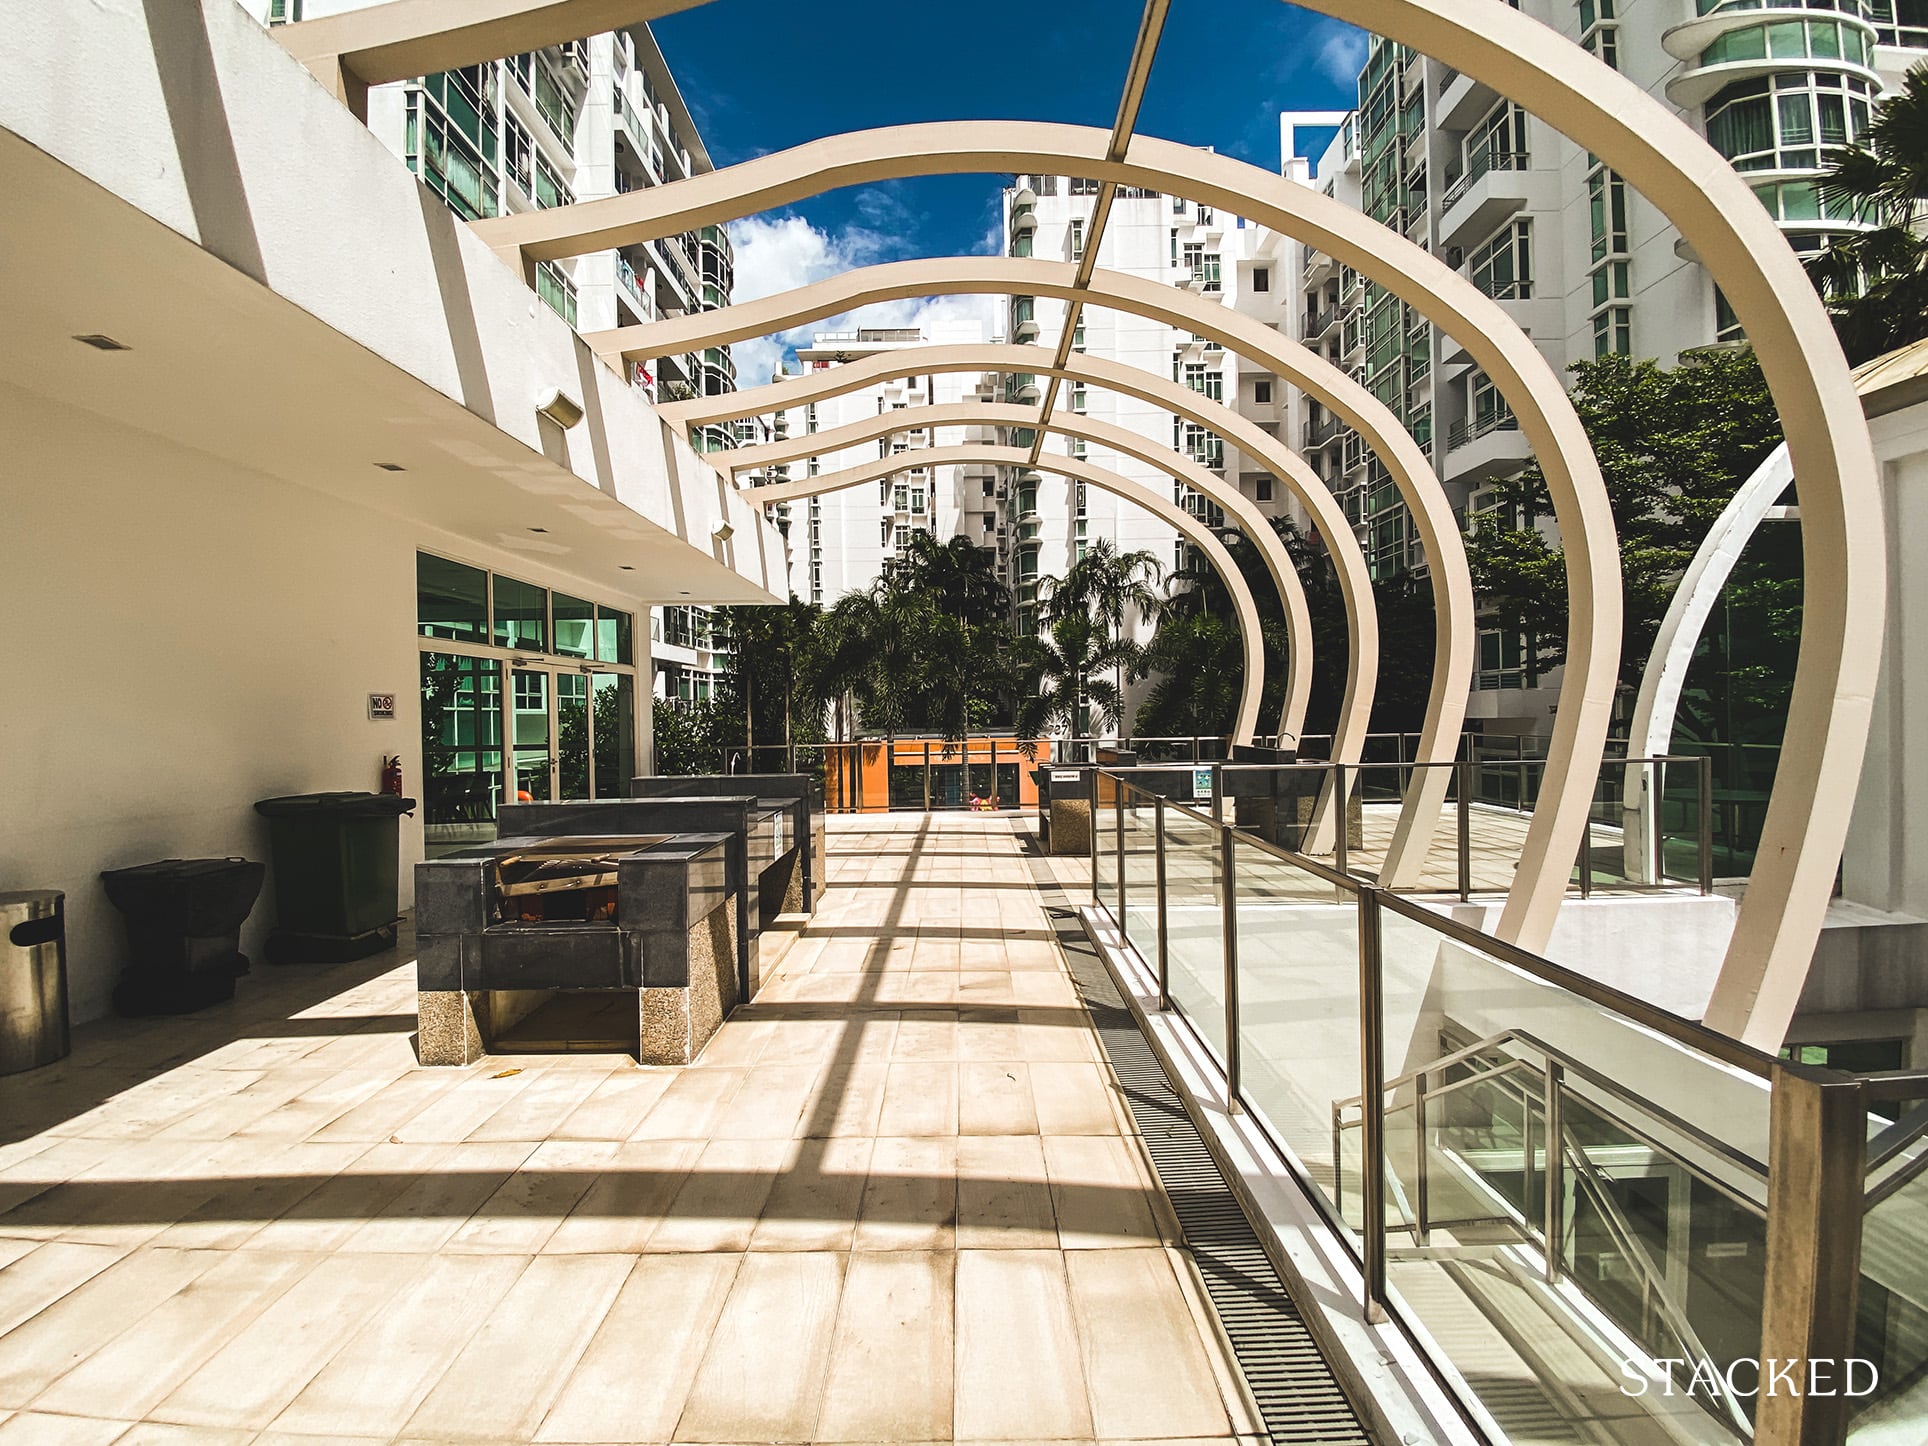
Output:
x=650 y=916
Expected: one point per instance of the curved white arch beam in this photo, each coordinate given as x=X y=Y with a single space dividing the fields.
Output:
x=1538 y=874
x=1298 y=613
x=1710 y=204
x=1652 y=730
x=1349 y=561
x=1201 y=536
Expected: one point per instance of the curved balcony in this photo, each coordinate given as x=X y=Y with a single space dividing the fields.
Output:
x=1715 y=18
x=1763 y=43
x=1024 y=218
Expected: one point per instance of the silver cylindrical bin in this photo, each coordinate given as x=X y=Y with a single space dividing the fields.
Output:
x=33 y=979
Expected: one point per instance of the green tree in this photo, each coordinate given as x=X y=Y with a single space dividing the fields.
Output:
x=1105 y=587
x=688 y=737
x=1065 y=682
x=1875 y=281
x=1674 y=445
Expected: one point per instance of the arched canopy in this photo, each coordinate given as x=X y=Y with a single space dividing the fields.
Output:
x=1294 y=472
x=1299 y=659
x=1569 y=782
x=1196 y=532
x=1675 y=169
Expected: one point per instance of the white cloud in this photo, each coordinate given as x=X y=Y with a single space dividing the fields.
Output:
x=1343 y=55
x=782 y=253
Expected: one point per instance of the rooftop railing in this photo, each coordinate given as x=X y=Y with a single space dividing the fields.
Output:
x=1572 y=1202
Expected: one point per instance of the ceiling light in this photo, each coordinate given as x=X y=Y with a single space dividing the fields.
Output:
x=391 y=466
x=538 y=529
x=102 y=343
x=626 y=567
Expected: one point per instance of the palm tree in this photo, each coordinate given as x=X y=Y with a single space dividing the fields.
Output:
x=1105 y=587
x=1876 y=282
x=1064 y=664
x=961 y=575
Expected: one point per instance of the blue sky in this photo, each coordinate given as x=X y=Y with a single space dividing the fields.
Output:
x=761 y=75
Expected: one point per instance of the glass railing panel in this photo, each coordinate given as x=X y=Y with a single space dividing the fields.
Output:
x=1105 y=820
x=1140 y=871
x=1892 y=1306
x=1517 y=1111
x=1195 y=921
x=1298 y=978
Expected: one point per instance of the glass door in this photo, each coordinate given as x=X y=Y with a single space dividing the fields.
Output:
x=531 y=732
x=572 y=735
x=614 y=696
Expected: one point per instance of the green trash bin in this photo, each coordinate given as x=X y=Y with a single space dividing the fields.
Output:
x=336 y=860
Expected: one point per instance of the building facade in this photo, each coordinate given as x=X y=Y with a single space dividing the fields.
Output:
x=593 y=118
x=1586 y=266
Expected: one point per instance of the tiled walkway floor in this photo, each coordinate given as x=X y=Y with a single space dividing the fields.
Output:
x=898 y=1199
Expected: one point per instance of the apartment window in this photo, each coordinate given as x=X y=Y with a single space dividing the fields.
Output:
x=1613 y=332
x=1262 y=489
x=1204 y=381
x=518 y=155
x=1178 y=205
x=1607 y=213
x=1078 y=397
x=1021 y=244
x=1488 y=407
x=1077 y=445
x=555 y=288
x=550 y=190
x=1727 y=326
x=1261 y=278
x=1498 y=141
x=1077 y=239
x=1079 y=493
x=1789 y=122
x=900 y=498
x=1262 y=392
x=1081 y=186
x=1174 y=247
x=1078 y=334
x=1202 y=446
x=1598 y=33
x=284 y=12
x=1502 y=265
x=1612 y=282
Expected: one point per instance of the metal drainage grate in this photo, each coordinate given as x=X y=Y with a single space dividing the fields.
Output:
x=1296 y=1393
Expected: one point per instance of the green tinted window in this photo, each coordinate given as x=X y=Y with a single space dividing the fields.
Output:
x=451 y=600
x=521 y=615
x=612 y=636
x=575 y=626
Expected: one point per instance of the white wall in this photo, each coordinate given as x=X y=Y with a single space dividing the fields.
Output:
x=187 y=638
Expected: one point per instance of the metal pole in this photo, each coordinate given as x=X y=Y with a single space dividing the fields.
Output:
x=1164 y=932
x=1553 y=1179
x=1091 y=825
x=1707 y=823
x=1372 y=1105
x=927 y=775
x=1343 y=829
x=1422 y=1176
x=1586 y=859
x=1816 y=1153
x=1657 y=812
x=1118 y=803
x=1465 y=842
x=1228 y=879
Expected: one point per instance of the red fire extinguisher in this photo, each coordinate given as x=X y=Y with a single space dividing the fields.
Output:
x=392 y=774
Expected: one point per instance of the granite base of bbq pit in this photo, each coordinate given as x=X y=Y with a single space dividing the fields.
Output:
x=672 y=944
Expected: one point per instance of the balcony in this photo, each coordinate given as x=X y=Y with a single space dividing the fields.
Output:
x=1318 y=322
x=1492 y=186
x=1318 y=433
x=1482 y=448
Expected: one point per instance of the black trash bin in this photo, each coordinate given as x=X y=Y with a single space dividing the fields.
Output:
x=183 y=920
x=336 y=858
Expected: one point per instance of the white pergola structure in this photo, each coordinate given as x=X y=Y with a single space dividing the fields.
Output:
x=1575 y=94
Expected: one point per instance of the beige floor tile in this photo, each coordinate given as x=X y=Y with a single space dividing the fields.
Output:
x=815 y=1201
x=625 y=1204
x=919 y=1099
x=538 y=1111
x=58 y=1338
x=37 y=1274
x=1003 y=1194
x=847 y=1101
x=1099 y=1192
x=890 y=1364
x=722 y=1197
x=1146 y=1368
x=986 y=989
x=989 y=1036
x=252 y=1379
x=623 y=1390
x=995 y=1099
x=322 y=1218
x=926 y=1035
x=460 y=1111
x=449 y=1184
x=1019 y=1371
x=1056 y=1037
x=768 y=1104
x=689 y=1107
x=34 y=1428
x=277 y=1180
x=762 y=1377
x=739 y=1044
x=128 y=1376
x=616 y=1107
x=526 y=1208
x=1073 y=1099
x=1042 y=988
x=910 y=1199
x=374 y=1383
x=379 y=1117
x=510 y=1372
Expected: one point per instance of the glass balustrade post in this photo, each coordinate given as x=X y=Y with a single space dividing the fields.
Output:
x=1586 y=858
x=1553 y=1177
x=1342 y=828
x=1091 y=827
x=1706 y=792
x=1118 y=787
x=1657 y=813
x=1164 y=933
x=927 y=776
x=1422 y=1173
x=1817 y=1154
x=1228 y=909
x=1464 y=847
x=1372 y=1105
